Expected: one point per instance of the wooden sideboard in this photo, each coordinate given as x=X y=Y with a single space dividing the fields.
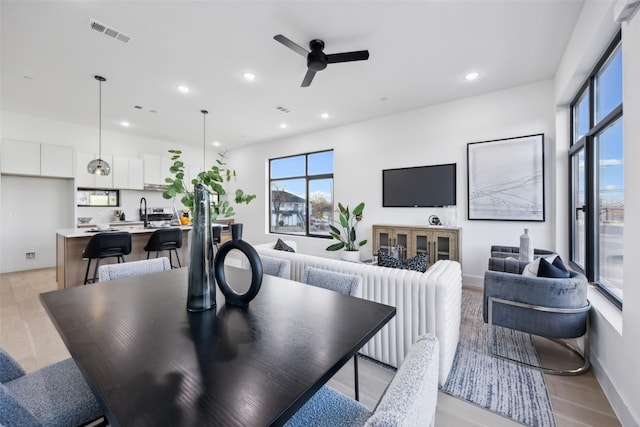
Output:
x=442 y=243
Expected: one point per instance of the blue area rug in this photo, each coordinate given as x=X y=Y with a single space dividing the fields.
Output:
x=503 y=387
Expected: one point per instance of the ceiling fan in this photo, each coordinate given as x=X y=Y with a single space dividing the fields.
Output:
x=317 y=60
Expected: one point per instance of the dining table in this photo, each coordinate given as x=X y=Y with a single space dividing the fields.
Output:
x=150 y=362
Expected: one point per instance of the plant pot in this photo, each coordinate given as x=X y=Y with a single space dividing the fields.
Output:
x=351 y=256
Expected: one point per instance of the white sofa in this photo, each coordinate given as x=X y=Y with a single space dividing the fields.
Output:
x=426 y=302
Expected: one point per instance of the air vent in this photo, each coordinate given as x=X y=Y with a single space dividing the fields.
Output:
x=283 y=109
x=108 y=31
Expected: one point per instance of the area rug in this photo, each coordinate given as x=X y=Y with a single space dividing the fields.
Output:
x=504 y=387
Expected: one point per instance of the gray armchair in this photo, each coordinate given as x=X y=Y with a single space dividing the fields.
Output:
x=552 y=308
x=55 y=395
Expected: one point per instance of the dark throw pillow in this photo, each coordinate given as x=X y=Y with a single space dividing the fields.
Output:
x=282 y=246
x=558 y=263
x=417 y=263
x=547 y=269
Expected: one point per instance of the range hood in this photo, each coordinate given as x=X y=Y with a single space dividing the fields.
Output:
x=154 y=187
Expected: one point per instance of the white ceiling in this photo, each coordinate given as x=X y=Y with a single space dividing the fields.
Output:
x=419 y=52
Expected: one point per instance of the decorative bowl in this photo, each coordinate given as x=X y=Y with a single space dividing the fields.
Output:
x=84 y=219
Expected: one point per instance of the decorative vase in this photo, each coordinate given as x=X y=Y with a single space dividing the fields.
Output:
x=351 y=256
x=526 y=247
x=231 y=296
x=202 y=293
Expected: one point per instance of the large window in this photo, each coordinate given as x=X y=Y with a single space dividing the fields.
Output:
x=301 y=194
x=597 y=184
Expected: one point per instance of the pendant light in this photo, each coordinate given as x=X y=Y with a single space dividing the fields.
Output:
x=99 y=166
x=204 y=139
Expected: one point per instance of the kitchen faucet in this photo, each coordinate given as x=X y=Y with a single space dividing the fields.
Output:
x=146 y=213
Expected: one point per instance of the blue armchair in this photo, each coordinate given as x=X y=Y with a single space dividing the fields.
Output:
x=553 y=308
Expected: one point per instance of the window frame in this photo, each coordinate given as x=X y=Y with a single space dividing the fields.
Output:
x=587 y=143
x=308 y=178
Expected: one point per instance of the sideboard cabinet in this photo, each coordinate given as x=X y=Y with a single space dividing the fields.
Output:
x=440 y=242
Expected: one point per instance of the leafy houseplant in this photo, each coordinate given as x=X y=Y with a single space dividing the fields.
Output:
x=213 y=180
x=347 y=236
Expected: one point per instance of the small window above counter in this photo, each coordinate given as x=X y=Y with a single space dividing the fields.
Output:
x=97 y=197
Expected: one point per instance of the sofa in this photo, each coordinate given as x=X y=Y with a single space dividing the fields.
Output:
x=428 y=302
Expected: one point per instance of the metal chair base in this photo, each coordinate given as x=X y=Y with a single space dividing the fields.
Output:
x=584 y=356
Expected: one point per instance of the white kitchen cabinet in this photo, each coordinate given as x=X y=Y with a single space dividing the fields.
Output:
x=127 y=173
x=156 y=168
x=56 y=161
x=86 y=180
x=36 y=159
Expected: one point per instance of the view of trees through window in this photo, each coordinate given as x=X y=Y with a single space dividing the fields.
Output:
x=301 y=199
x=597 y=171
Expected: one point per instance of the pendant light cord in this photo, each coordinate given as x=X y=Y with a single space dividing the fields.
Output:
x=204 y=139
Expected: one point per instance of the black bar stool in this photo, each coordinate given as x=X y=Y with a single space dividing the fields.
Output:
x=217 y=234
x=106 y=245
x=165 y=239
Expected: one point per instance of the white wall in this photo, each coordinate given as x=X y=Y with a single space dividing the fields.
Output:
x=426 y=136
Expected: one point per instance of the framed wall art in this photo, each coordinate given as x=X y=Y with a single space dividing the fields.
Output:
x=505 y=179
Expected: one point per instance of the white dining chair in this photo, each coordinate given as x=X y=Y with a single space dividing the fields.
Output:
x=133 y=268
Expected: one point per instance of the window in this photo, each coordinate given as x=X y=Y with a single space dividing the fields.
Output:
x=597 y=178
x=301 y=199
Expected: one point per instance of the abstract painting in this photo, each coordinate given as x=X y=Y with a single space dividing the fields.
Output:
x=505 y=179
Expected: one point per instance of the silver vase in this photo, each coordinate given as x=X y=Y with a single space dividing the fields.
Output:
x=202 y=291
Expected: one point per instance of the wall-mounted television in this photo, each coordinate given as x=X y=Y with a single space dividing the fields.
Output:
x=420 y=187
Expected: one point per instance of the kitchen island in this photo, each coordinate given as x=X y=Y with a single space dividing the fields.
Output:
x=71 y=267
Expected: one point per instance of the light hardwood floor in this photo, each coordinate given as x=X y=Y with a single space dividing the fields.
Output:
x=28 y=335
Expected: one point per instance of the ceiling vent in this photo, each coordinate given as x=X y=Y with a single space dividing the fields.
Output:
x=108 y=31
x=283 y=109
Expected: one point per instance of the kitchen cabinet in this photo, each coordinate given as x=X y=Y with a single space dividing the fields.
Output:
x=36 y=159
x=440 y=242
x=86 y=180
x=156 y=168
x=128 y=173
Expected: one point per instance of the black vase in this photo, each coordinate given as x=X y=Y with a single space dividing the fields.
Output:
x=202 y=292
x=231 y=296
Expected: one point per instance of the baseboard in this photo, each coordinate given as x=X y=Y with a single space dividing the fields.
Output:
x=475 y=281
x=625 y=416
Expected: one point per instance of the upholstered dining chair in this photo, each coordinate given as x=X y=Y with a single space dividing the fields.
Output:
x=553 y=308
x=276 y=266
x=53 y=396
x=106 y=245
x=133 y=268
x=410 y=399
x=347 y=284
x=165 y=239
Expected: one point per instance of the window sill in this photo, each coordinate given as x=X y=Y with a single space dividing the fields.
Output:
x=605 y=308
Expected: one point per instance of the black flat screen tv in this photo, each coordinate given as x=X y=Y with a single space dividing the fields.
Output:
x=420 y=187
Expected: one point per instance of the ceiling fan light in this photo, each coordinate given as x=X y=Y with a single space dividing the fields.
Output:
x=99 y=167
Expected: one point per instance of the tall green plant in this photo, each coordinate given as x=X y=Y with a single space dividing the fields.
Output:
x=213 y=180
x=349 y=223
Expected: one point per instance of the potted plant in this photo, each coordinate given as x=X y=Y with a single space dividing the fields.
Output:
x=213 y=180
x=347 y=236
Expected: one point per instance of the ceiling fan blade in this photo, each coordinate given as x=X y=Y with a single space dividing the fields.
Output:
x=291 y=45
x=308 y=78
x=359 y=55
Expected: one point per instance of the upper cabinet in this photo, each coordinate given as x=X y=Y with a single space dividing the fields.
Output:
x=36 y=159
x=127 y=173
x=156 y=168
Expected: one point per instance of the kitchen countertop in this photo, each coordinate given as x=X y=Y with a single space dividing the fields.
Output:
x=133 y=229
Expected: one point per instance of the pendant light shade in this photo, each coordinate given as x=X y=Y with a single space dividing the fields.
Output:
x=99 y=166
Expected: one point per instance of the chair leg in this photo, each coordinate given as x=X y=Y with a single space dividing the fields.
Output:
x=86 y=273
x=170 y=259
x=95 y=271
x=178 y=258
x=148 y=254
x=355 y=374
x=584 y=356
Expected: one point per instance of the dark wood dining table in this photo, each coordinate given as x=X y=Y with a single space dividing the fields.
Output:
x=150 y=362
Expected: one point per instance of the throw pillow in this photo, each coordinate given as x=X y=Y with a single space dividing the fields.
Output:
x=282 y=246
x=547 y=269
x=417 y=263
x=558 y=263
x=386 y=260
x=531 y=269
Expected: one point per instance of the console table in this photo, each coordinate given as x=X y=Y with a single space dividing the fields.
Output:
x=442 y=243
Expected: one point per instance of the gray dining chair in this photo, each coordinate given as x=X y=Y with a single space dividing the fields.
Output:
x=133 y=268
x=347 y=284
x=56 y=395
x=276 y=266
x=410 y=398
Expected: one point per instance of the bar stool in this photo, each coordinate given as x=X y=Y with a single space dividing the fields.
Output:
x=106 y=245
x=217 y=234
x=165 y=239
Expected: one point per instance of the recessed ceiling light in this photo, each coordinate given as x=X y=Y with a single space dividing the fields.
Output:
x=125 y=124
x=216 y=143
x=283 y=125
x=249 y=76
x=324 y=115
x=183 y=89
x=471 y=76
